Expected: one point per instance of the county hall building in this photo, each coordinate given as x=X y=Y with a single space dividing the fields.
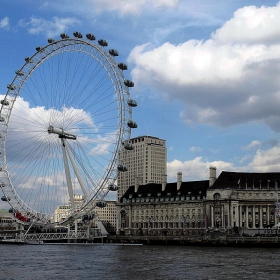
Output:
x=232 y=201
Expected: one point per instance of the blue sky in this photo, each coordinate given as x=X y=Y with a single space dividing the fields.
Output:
x=206 y=72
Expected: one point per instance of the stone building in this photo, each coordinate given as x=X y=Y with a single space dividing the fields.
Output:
x=6 y=220
x=243 y=200
x=163 y=209
x=233 y=201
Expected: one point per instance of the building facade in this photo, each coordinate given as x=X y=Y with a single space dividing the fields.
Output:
x=163 y=209
x=107 y=214
x=243 y=200
x=6 y=220
x=146 y=163
x=233 y=202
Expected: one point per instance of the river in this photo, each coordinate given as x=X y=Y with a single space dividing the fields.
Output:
x=137 y=262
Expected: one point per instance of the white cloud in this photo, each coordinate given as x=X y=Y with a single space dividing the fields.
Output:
x=253 y=145
x=49 y=28
x=131 y=7
x=195 y=169
x=198 y=168
x=261 y=144
x=251 y=25
x=5 y=23
x=103 y=144
x=124 y=7
x=266 y=160
x=195 y=149
x=226 y=80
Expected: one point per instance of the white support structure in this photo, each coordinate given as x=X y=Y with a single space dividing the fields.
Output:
x=67 y=173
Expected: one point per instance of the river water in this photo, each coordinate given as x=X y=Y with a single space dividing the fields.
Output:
x=137 y=262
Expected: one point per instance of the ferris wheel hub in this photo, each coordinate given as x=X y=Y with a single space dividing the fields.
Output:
x=61 y=133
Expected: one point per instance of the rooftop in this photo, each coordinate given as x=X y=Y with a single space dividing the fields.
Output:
x=245 y=180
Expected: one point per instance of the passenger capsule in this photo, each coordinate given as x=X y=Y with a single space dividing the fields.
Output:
x=1 y=120
x=5 y=198
x=51 y=40
x=101 y=204
x=78 y=34
x=113 y=187
x=128 y=146
x=91 y=216
x=20 y=73
x=122 y=66
x=132 y=103
x=113 y=52
x=2 y=185
x=102 y=43
x=85 y=218
x=122 y=168
x=132 y=124
x=11 y=87
x=64 y=36
x=38 y=49
x=11 y=210
x=129 y=83
x=90 y=36
x=5 y=102
x=29 y=60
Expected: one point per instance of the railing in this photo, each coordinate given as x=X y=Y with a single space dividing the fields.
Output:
x=72 y=235
x=58 y=236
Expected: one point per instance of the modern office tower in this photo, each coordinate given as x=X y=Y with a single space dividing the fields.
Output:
x=146 y=163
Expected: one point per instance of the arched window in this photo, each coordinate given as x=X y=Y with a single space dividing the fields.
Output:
x=217 y=196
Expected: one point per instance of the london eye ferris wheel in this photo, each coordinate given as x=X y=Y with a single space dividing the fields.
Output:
x=63 y=120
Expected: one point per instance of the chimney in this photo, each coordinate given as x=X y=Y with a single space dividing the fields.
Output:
x=163 y=184
x=179 y=180
x=137 y=183
x=212 y=177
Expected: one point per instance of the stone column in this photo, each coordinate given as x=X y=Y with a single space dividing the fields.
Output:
x=237 y=215
x=222 y=216
x=261 y=217
x=267 y=216
x=253 y=217
x=212 y=216
x=129 y=217
x=246 y=217
x=240 y=215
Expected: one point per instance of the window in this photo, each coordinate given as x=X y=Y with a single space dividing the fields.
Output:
x=217 y=196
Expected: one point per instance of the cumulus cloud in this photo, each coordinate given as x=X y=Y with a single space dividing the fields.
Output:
x=251 y=25
x=229 y=79
x=5 y=23
x=198 y=168
x=195 y=169
x=266 y=160
x=49 y=28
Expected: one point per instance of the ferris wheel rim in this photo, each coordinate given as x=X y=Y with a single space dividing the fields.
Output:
x=116 y=77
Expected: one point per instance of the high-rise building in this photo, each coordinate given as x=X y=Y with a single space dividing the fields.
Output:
x=146 y=163
x=107 y=215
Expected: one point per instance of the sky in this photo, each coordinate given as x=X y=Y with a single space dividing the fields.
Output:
x=206 y=72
